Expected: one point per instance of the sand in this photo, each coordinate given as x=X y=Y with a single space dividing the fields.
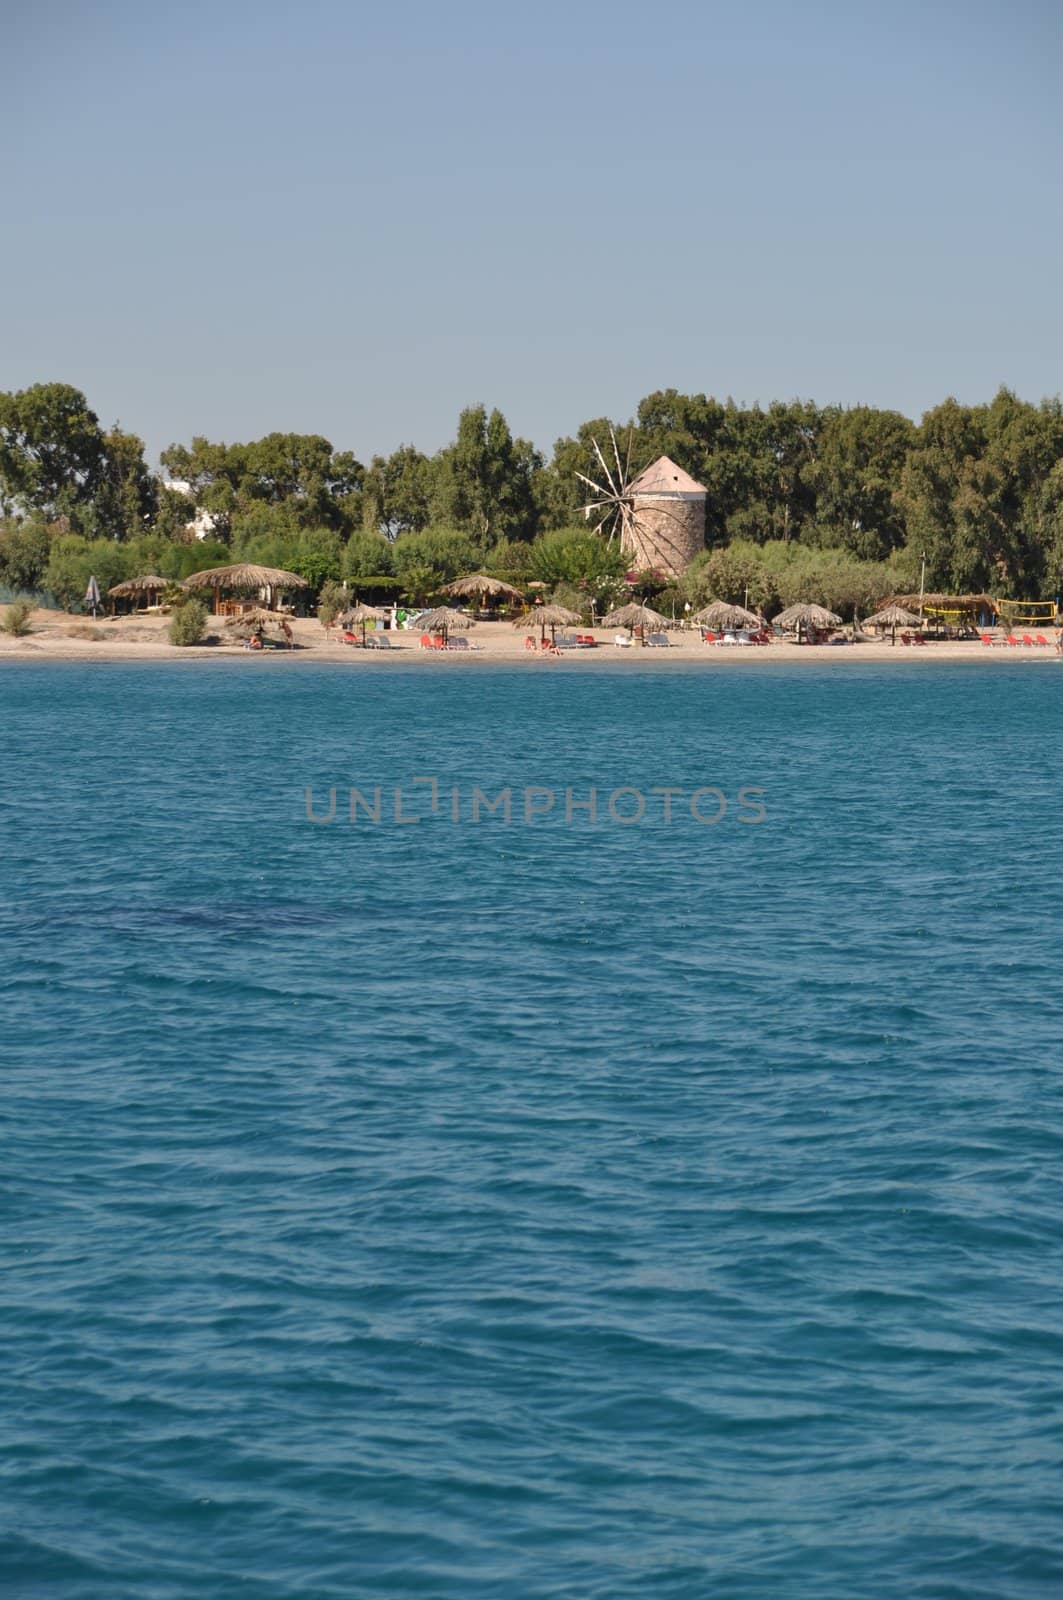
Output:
x=56 y=636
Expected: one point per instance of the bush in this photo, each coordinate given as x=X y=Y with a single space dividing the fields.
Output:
x=16 y=619
x=576 y=556
x=188 y=622
x=331 y=601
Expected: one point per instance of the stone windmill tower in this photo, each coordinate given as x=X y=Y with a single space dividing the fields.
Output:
x=659 y=516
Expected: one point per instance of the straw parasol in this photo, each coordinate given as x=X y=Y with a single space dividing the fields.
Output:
x=893 y=617
x=479 y=583
x=806 y=618
x=635 y=616
x=150 y=584
x=973 y=603
x=722 y=615
x=543 y=617
x=442 y=620
x=251 y=622
x=363 y=614
x=246 y=577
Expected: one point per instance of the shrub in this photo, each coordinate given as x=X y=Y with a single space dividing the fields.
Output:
x=331 y=601
x=16 y=619
x=188 y=622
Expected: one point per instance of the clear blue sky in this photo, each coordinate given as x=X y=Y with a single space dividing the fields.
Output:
x=356 y=219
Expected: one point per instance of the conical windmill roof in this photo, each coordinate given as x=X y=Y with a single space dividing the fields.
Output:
x=664 y=477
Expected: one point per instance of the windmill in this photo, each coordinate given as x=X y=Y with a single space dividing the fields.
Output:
x=658 y=516
x=612 y=501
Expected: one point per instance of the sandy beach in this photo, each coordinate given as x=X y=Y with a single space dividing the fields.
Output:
x=57 y=636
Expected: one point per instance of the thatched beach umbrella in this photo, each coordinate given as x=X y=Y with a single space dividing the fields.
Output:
x=150 y=584
x=363 y=614
x=805 y=618
x=722 y=615
x=479 y=584
x=442 y=620
x=249 y=623
x=543 y=617
x=892 y=617
x=635 y=616
x=245 y=578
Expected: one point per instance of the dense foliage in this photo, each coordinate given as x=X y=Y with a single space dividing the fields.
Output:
x=840 y=505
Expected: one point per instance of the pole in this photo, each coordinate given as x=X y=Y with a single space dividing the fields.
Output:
x=922 y=587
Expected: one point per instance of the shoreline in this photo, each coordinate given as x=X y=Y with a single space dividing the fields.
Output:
x=61 y=638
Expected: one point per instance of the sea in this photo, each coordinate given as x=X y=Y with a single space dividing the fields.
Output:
x=421 y=1176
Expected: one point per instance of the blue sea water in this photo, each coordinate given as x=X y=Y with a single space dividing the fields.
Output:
x=553 y=1208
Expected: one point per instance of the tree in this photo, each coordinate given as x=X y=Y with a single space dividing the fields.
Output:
x=125 y=500
x=73 y=560
x=424 y=562
x=368 y=554
x=484 y=480
x=397 y=492
x=314 y=553
x=855 y=477
x=24 y=551
x=301 y=473
x=51 y=450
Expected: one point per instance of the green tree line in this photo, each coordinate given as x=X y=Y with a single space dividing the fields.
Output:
x=827 y=499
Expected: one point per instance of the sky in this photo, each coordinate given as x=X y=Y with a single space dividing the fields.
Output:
x=233 y=218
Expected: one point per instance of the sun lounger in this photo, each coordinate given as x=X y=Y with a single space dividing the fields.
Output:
x=986 y=640
x=350 y=638
x=1042 y=640
x=1027 y=641
x=622 y=641
x=658 y=640
x=708 y=636
x=1012 y=641
x=383 y=642
x=586 y=641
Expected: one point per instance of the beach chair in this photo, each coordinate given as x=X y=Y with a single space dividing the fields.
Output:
x=986 y=640
x=622 y=641
x=1042 y=640
x=708 y=636
x=383 y=642
x=658 y=640
x=426 y=643
x=1011 y=639
x=1027 y=641
x=350 y=638
x=586 y=641
x=919 y=638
